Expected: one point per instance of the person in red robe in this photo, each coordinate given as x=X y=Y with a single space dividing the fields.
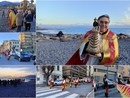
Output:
x=11 y=18
x=108 y=43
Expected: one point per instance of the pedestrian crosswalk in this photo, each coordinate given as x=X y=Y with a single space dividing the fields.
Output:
x=54 y=93
x=72 y=96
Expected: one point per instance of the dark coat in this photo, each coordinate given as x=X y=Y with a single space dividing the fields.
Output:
x=29 y=18
x=105 y=82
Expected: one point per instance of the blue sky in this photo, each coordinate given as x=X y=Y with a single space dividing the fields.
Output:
x=82 y=12
x=8 y=36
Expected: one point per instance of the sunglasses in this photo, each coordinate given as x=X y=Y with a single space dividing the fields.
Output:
x=104 y=22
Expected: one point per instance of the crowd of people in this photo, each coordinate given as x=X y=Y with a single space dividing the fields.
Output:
x=19 y=18
x=71 y=82
x=74 y=82
x=12 y=82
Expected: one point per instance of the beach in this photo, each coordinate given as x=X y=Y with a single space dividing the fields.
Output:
x=55 y=52
x=124 y=52
x=4 y=24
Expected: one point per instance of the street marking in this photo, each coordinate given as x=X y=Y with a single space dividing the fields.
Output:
x=57 y=95
x=39 y=91
x=72 y=96
x=38 y=95
x=92 y=92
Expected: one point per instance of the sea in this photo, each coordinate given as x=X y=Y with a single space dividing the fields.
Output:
x=80 y=30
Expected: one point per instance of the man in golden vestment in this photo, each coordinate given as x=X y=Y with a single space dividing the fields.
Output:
x=108 y=42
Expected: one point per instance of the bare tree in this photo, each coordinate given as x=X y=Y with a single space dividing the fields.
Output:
x=47 y=70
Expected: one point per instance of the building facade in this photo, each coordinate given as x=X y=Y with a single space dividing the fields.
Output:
x=77 y=71
x=12 y=45
x=126 y=71
x=27 y=41
x=112 y=72
x=15 y=45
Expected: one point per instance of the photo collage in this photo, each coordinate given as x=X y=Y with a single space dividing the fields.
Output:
x=64 y=49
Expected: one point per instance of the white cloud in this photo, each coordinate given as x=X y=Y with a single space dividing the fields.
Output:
x=125 y=20
x=126 y=14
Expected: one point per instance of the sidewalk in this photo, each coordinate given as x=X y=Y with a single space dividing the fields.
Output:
x=103 y=90
x=41 y=85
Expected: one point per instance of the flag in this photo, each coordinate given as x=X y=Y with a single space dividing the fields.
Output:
x=124 y=90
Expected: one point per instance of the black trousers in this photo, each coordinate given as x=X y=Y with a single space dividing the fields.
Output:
x=27 y=26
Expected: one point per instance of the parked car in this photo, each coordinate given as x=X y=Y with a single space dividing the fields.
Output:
x=57 y=82
x=98 y=85
x=22 y=56
x=111 y=84
x=12 y=53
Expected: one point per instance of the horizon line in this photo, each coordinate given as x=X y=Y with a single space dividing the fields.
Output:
x=124 y=26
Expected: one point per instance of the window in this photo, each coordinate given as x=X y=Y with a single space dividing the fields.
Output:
x=58 y=68
x=94 y=69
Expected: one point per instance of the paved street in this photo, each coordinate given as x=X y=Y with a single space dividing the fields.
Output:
x=112 y=93
x=12 y=61
x=81 y=91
